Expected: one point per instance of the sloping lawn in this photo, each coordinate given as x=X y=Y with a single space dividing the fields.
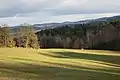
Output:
x=58 y=64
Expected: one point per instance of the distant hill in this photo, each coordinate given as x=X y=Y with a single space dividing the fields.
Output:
x=14 y=29
x=43 y=26
x=104 y=19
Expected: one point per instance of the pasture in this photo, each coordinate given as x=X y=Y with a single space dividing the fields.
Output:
x=59 y=64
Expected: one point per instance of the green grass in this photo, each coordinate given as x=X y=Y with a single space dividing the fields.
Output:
x=58 y=64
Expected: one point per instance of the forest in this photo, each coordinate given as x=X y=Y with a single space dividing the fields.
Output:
x=103 y=36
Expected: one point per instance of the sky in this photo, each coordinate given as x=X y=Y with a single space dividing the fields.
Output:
x=16 y=12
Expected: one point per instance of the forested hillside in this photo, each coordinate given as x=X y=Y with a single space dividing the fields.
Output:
x=104 y=35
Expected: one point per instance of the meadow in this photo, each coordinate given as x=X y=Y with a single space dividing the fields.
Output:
x=59 y=64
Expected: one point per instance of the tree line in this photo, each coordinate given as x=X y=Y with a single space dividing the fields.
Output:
x=104 y=35
x=25 y=37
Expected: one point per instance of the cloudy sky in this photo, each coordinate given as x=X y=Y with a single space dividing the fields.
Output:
x=15 y=12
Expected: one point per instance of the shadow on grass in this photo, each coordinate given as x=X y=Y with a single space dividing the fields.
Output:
x=60 y=64
x=23 y=59
x=57 y=72
x=73 y=55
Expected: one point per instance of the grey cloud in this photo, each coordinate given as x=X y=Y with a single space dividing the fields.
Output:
x=17 y=11
x=9 y=8
x=88 y=7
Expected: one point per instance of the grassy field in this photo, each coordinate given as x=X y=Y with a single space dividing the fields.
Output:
x=58 y=64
